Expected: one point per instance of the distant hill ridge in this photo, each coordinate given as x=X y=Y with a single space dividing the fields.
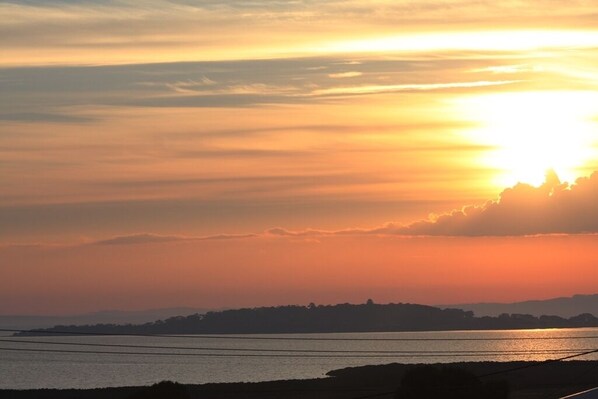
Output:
x=563 y=306
x=101 y=317
x=369 y=317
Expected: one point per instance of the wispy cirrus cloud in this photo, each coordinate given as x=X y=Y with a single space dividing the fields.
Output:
x=341 y=75
x=160 y=30
x=57 y=94
x=375 y=89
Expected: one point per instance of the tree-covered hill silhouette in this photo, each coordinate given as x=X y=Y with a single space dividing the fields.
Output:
x=369 y=317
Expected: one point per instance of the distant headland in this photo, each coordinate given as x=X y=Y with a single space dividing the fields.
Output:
x=368 y=317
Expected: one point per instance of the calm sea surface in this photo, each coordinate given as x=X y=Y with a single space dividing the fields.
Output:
x=269 y=360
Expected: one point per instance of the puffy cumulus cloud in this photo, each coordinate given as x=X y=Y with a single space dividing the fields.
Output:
x=552 y=208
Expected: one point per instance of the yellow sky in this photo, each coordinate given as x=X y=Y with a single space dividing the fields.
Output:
x=200 y=118
x=396 y=109
x=108 y=32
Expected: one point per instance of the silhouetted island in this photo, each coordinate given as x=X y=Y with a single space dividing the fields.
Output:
x=369 y=317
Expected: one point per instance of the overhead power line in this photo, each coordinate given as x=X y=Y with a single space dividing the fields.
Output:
x=505 y=371
x=294 y=338
x=291 y=355
x=571 y=353
x=527 y=366
x=269 y=350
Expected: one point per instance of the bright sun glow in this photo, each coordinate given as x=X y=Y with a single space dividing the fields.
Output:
x=533 y=132
x=489 y=40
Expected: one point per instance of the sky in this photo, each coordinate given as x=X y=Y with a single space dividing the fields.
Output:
x=252 y=153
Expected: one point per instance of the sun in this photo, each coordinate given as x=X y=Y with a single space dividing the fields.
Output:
x=532 y=132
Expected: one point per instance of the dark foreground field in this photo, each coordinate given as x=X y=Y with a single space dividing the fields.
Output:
x=545 y=381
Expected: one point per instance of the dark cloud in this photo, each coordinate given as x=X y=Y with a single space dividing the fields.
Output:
x=281 y=232
x=209 y=4
x=226 y=237
x=47 y=3
x=139 y=239
x=48 y=93
x=146 y=238
x=216 y=101
x=37 y=222
x=44 y=117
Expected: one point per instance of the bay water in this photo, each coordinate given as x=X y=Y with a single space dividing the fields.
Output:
x=68 y=361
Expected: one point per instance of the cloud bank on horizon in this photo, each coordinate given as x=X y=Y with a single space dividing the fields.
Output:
x=555 y=207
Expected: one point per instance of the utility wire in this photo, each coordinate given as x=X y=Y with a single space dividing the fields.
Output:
x=278 y=338
x=578 y=378
x=505 y=371
x=420 y=355
x=381 y=394
x=224 y=349
x=527 y=366
x=187 y=354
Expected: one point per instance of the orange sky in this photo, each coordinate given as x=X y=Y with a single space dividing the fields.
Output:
x=275 y=270
x=172 y=152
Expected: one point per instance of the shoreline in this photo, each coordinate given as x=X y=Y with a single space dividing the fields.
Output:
x=527 y=380
x=65 y=333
